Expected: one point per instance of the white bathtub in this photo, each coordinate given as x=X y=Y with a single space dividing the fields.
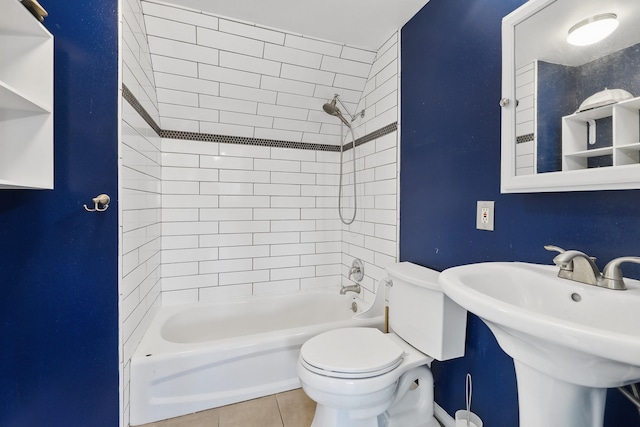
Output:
x=200 y=356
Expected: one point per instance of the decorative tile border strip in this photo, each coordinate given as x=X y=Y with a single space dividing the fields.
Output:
x=133 y=101
x=373 y=135
x=524 y=138
x=208 y=137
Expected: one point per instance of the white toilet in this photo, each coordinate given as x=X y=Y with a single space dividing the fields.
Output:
x=361 y=377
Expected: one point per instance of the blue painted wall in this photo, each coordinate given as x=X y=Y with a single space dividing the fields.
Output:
x=450 y=158
x=553 y=79
x=58 y=263
x=618 y=70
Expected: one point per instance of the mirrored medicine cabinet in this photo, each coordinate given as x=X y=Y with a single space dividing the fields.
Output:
x=570 y=114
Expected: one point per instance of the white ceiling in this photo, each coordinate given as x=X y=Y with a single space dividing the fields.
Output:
x=358 y=23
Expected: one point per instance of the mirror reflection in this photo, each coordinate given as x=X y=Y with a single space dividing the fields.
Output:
x=578 y=105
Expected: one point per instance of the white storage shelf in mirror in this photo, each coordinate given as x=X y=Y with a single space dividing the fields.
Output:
x=26 y=100
x=624 y=142
x=547 y=145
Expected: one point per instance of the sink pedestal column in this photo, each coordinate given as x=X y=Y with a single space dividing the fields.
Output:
x=546 y=401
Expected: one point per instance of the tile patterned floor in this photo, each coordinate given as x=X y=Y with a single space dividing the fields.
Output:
x=289 y=409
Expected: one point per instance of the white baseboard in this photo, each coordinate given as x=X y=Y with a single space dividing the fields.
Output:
x=443 y=417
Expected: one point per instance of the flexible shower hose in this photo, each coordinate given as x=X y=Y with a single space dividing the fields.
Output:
x=355 y=199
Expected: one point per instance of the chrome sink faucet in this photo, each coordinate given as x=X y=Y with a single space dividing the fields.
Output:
x=575 y=265
x=580 y=267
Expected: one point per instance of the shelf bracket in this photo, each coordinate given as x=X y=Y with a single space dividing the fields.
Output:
x=592 y=131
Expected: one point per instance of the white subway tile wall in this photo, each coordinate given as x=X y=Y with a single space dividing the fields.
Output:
x=204 y=221
x=215 y=75
x=372 y=237
x=139 y=196
x=526 y=119
x=248 y=225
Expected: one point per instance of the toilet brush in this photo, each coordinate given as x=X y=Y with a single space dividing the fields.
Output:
x=468 y=390
x=466 y=418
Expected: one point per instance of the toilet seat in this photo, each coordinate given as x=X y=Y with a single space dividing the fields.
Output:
x=351 y=353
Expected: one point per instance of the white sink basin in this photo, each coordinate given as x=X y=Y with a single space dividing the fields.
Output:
x=569 y=341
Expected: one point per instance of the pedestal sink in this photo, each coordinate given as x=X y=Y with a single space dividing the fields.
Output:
x=569 y=341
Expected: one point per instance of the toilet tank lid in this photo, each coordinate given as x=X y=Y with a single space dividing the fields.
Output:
x=414 y=273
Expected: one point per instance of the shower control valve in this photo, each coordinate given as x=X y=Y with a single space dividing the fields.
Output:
x=356 y=270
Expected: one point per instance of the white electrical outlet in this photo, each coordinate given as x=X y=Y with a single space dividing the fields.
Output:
x=485 y=215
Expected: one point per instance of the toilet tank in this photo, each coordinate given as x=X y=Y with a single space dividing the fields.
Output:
x=422 y=315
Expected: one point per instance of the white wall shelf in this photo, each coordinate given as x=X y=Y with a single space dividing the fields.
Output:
x=26 y=100
x=625 y=147
x=12 y=99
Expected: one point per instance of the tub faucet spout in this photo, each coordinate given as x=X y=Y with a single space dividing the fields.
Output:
x=350 y=288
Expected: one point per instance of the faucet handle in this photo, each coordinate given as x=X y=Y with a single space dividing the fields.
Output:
x=612 y=272
x=554 y=248
x=566 y=269
x=357 y=270
x=562 y=251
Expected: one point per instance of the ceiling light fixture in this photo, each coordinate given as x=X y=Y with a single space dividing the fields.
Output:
x=592 y=30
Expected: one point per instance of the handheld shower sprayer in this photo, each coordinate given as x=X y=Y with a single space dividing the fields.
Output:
x=332 y=109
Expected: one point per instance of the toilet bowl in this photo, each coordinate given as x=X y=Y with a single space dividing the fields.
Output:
x=350 y=394
x=362 y=377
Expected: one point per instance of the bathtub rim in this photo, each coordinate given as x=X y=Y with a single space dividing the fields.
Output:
x=156 y=346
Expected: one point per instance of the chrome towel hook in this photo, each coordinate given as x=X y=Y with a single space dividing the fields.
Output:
x=100 y=203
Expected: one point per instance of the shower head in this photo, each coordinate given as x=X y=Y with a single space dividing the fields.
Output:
x=332 y=109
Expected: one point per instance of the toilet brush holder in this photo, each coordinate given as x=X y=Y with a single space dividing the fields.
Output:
x=462 y=416
x=466 y=418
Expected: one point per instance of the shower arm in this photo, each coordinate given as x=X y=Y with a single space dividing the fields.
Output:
x=352 y=117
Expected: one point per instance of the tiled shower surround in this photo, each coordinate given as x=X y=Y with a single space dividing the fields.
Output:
x=230 y=167
x=241 y=220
